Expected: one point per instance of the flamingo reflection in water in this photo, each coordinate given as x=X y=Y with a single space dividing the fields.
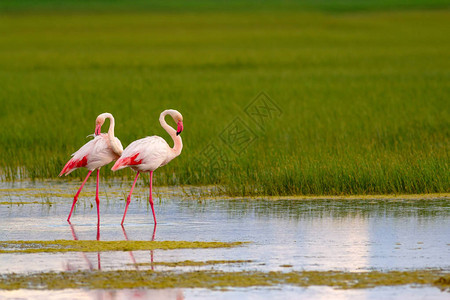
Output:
x=136 y=265
x=176 y=294
x=69 y=267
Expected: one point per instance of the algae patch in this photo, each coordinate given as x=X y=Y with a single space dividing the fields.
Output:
x=20 y=203
x=191 y=263
x=98 y=246
x=218 y=279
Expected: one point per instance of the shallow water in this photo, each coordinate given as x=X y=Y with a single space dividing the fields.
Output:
x=286 y=235
x=283 y=292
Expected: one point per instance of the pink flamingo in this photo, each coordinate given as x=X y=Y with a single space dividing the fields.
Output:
x=150 y=153
x=96 y=153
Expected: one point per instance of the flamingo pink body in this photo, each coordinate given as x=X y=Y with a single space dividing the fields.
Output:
x=150 y=153
x=94 y=154
x=100 y=151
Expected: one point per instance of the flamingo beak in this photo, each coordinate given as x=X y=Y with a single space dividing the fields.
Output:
x=98 y=129
x=179 y=127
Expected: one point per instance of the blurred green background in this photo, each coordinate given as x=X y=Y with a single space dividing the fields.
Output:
x=362 y=87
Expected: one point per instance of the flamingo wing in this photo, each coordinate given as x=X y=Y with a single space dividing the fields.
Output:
x=92 y=155
x=146 y=154
x=79 y=158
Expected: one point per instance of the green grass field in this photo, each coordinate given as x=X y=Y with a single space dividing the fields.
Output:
x=217 y=5
x=362 y=90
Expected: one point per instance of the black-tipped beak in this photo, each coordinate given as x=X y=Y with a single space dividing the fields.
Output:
x=179 y=127
x=98 y=129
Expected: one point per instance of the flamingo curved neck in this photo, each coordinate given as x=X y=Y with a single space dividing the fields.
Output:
x=112 y=139
x=178 y=144
x=111 y=124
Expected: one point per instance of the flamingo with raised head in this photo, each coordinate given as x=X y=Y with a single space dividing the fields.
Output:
x=150 y=153
x=96 y=153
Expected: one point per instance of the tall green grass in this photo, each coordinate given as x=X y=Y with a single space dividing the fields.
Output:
x=217 y=5
x=364 y=97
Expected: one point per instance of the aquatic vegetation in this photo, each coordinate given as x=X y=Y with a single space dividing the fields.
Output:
x=94 y=246
x=443 y=283
x=200 y=192
x=217 y=279
x=18 y=202
x=191 y=263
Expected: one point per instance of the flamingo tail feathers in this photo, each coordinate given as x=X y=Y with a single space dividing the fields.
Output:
x=124 y=162
x=72 y=165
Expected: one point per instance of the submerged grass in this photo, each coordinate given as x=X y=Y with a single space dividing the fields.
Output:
x=95 y=246
x=362 y=96
x=191 y=263
x=217 y=279
x=20 y=202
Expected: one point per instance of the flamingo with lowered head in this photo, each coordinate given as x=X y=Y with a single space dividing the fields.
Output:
x=96 y=153
x=150 y=153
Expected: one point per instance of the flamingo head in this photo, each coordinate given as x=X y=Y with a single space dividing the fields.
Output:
x=177 y=117
x=98 y=124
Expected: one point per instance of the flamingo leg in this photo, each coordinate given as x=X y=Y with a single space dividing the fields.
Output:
x=129 y=198
x=77 y=194
x=98 y=231
x=154 y=233
x=97 y=199
x=150 y=199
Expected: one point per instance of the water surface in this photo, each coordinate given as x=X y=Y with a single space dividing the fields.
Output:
x=347 y=235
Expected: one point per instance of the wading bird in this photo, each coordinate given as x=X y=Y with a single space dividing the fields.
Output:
x=96 y=153
x=150 y=153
